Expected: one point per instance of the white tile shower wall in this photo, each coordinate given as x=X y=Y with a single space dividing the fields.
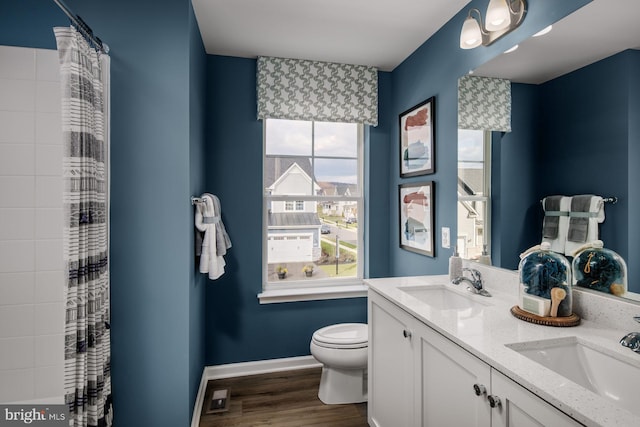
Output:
x=31 y=266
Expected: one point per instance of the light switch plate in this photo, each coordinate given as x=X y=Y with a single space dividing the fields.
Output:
x=446 y=237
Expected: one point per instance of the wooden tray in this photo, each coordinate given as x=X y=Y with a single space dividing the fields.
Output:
x=573 y=320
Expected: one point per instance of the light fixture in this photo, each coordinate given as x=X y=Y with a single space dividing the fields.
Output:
x=502 y=17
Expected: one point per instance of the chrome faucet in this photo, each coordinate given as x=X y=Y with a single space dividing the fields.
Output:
x=475 y=281
x=632 y=339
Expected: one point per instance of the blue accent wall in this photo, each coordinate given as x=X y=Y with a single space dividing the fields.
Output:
x=239 y=328
x=589 y=119
x=197 y=169
x=634 y=170
x=377 y=176
x=515 y=212
x=433 y=70
x=157 y=146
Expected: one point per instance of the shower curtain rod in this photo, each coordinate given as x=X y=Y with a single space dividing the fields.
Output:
x=83 y=27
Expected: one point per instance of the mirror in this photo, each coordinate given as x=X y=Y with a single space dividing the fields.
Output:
x=575 y=121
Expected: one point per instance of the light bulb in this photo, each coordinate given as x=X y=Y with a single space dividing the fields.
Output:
x=543 y=31
x=511 y=49
x=470 y=36
x=498 y=16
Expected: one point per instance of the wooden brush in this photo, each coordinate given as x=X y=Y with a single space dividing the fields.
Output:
x=557 y=295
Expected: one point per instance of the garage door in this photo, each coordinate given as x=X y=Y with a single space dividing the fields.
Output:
x=290 y=248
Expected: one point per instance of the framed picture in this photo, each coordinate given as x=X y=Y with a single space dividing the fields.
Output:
x=417 y=140
x=416 y=217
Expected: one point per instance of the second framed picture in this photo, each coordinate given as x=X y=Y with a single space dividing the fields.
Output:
x=417 y=139
x=416 y=217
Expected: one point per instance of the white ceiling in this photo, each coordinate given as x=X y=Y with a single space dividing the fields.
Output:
x=382 y=33
x=379 y=33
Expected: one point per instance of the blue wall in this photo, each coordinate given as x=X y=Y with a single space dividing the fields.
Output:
x=157 y=137
x=238 y=327
x=433 y=70
x=515 y=173
x=634 y=170
x=589 y=117
x=197 y=143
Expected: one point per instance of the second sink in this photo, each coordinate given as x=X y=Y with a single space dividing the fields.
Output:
x=594 y=368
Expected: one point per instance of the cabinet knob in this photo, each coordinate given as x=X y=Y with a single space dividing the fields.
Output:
x=494 y=401
x=479 y=389
x=406 y=333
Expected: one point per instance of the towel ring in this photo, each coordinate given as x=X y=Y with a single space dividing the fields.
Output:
x=195 y=200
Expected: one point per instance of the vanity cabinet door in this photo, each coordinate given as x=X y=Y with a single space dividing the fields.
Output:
x=521 y=408
x=447 y=382
x=390 y=372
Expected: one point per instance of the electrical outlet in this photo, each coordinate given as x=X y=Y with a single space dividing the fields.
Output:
x=446 y=237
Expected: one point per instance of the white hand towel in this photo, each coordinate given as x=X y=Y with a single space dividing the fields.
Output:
x=222 y=238
x=558 y=244
x=596 y=216
x=205 y=220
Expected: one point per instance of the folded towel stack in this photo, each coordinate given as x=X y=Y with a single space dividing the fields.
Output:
x=556 y=221
x=587 y=211
x=215 y=242
x=569 y=222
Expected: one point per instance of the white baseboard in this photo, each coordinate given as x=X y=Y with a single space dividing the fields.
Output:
x=244 y=369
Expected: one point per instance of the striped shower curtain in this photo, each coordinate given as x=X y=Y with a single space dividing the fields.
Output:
x=84 y=79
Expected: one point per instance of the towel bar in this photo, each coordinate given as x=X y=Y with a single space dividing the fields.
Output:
x=612 y=200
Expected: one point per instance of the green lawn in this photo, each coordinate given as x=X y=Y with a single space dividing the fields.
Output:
x=344 y=270
x=330 y=248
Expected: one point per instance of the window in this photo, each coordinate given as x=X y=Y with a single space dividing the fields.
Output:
x=313 y=204
x=474 y=193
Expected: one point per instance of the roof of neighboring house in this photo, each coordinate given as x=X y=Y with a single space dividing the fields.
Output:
x=288 y=219
x=338 y=188
x=276 y=166
x=470 y=181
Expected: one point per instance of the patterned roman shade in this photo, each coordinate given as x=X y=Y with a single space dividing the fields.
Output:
x=323 y=91
x=484 y=103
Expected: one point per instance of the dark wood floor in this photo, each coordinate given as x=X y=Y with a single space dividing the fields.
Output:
x=283 y=399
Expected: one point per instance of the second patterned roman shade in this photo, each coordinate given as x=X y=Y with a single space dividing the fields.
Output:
x=484 y=103
x=322 y=91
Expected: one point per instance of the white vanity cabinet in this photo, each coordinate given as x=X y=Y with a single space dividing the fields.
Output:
x=447 y=378
x=418 y=377
x=521 y=408
x=390 y=389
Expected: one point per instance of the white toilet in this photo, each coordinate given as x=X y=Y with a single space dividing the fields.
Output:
x=342 y=350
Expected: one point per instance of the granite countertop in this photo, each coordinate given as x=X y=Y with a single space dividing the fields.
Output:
x=485 y=332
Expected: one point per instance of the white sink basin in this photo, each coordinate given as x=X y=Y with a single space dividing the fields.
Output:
x=443 y=298
x=603 y=372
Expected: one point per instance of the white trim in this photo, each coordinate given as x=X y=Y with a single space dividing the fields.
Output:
x=244 y=369
x=312 y=293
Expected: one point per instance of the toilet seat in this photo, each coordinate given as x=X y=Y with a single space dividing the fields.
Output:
x=343 y=335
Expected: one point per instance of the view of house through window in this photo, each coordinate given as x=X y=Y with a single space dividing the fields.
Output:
x=474 y=194
x=313 y=201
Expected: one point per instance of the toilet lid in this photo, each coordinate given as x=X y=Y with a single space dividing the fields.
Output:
x=347 y=335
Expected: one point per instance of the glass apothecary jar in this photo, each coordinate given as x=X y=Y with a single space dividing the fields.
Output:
x=596 y=267
x=545 y=283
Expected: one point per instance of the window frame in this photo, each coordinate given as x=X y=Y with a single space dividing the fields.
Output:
x=328 y=288
x=486 y=197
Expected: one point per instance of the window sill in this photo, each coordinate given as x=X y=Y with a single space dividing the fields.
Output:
x=312 y=293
